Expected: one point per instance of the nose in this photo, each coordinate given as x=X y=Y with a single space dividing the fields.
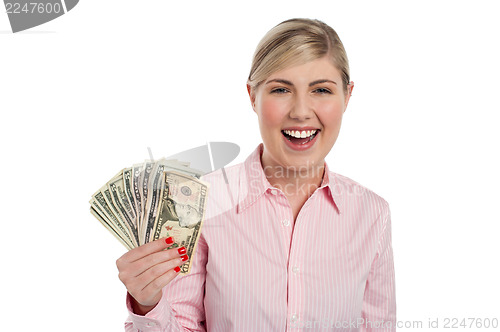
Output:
x=301 y=109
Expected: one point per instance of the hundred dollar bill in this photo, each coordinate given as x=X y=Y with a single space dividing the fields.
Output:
x=181 y=212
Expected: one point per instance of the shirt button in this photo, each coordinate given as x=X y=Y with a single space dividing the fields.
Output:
x=151 y=324
x=295 y=269
x=274 y=191
x=286 y=222
x=294 y=317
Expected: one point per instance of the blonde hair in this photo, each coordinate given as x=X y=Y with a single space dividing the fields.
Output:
x=294 y=42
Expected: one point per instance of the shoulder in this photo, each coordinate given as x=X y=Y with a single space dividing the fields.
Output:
x=224 y=175
x=352 y=194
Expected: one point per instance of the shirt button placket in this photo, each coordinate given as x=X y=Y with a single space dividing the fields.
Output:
x=150 y=326
x=295 y=282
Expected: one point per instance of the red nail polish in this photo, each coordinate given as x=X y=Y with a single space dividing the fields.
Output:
x=181 y=250
x=169 y=240
x=184 y=258
x=177 y=269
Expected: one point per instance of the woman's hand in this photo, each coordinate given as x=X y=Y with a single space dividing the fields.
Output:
x=145 y=270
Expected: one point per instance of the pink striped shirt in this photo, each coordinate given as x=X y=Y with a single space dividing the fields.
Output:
x=255 y=269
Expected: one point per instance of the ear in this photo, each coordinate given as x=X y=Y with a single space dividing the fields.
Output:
x=350 y=87
x=251 y=94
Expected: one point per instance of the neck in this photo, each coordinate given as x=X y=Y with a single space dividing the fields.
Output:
x=295 y=181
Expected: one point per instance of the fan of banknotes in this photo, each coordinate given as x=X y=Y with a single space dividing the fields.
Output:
x=152 y=200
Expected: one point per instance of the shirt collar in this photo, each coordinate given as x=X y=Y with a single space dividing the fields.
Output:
x=331 y=182
x=253 y=182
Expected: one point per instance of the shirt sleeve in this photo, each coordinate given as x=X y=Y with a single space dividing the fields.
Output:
x=181 y=307
x=379 y=301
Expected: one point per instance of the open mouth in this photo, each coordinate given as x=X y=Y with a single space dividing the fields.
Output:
x=300 y=137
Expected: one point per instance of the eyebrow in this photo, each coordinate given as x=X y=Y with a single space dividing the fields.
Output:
x=279 y=80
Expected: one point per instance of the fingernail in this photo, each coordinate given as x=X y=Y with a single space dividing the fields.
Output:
x=169 y=240
x=181 y=250
x=184 y=258
x=177 y=269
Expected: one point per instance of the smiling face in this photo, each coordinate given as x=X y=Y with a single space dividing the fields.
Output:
x=300 y=111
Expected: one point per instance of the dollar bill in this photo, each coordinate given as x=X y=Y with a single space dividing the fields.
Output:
x=116 y=211
x=181 y=212
x=152 y=200
x=181 y=167
x=145 y=176
x=154 y=196
x=115 y=190
x=127 y=183
x=120 y=198
x=98 y=199
x=108 y=226
x=136 y=186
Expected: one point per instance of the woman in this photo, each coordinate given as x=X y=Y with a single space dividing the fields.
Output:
x=303 y=247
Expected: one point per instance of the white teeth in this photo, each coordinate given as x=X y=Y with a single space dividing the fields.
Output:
x=300 y=134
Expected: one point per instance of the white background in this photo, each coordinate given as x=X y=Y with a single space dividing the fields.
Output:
x=85 y=95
